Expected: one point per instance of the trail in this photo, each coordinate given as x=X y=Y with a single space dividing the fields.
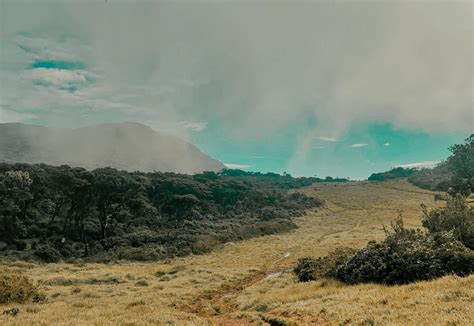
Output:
x=347 y=213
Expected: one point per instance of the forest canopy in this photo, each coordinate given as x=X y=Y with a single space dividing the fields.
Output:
x=53 y=213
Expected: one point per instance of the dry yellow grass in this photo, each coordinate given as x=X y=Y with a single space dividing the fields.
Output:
x=248 y=282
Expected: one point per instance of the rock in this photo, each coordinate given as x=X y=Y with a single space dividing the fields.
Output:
x=11 y=312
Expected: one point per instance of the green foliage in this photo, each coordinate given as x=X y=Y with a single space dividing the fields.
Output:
x=47 y=253
x=313 y=268
x=455 y=175
x=457 y=216
x=107 y=214
x=461 y=162
x=407 y=256
x=394 y=173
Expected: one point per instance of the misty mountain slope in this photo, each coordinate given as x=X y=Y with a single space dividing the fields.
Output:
x=127 y=146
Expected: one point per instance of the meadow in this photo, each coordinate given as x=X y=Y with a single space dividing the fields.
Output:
x=251 y=282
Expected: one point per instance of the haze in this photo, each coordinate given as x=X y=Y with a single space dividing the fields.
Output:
x=316 y=87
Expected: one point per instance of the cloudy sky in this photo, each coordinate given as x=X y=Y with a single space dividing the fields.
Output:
x=313 y=88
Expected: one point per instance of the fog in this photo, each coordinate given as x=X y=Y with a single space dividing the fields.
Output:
x=250 y=68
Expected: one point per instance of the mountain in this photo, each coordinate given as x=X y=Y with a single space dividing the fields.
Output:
x=125 y=146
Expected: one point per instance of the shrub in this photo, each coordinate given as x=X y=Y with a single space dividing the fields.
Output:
x=406 y=256
x=456 y=216
x=310 y=269
x=15 y=287
x=47 y=253
x=145 y=253
x=394 y=173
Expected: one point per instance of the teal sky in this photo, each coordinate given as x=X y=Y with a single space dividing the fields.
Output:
x=311 y=88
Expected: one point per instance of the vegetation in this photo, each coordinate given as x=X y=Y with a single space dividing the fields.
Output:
x=437 y=179
x=248 y=282
x=61 y=212
x=313 y=268
x=406 y=255
x=394 y=173
x=455 y=175
x=456 y=217
x=15 y=287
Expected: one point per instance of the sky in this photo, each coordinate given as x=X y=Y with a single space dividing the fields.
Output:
x=341 y=88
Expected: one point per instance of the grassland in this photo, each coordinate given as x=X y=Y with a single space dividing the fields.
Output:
x=251 y=282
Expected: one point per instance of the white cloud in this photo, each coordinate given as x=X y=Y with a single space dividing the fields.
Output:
x=386 y=144
x=423 y=164
x=236 y=166
x=342 y=63
x=325 y=138
x=57 y=77
x=195 y=126
x=358 y=145
x=318 y=147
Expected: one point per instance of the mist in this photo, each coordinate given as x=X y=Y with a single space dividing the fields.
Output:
x=249 y=69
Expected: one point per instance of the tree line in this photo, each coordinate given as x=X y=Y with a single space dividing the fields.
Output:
x=455 y=174
x=60 y=212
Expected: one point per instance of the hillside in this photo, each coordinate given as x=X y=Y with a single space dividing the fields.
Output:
x=250 y=282
x=124 y=146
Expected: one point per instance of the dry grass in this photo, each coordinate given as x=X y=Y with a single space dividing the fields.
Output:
x=16 y=287
x=249 y=282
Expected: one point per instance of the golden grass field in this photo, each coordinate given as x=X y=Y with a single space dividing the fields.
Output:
x=251 y=283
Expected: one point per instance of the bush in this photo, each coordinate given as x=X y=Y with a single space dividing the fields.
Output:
x=310 y=269
x=394 y=173
x=15 y=287
x=47 y=253
x=456 y=216
x=145 y=253
x=407 y=256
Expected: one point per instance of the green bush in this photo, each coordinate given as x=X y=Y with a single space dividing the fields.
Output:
x=47 y=253
x=457 y=216
x=407 y=256
x=394 y=173
x=310 y=268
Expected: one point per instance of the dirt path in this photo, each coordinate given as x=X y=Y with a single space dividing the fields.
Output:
x=346 y=220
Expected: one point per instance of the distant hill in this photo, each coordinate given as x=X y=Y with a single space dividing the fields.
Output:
x=126 y=146
x=455 y=174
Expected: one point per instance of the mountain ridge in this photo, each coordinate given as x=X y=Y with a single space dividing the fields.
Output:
x=127 y=146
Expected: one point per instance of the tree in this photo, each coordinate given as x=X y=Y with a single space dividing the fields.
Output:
x=461 y=162
x=14 y=195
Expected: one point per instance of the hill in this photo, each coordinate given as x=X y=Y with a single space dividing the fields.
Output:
x=455 y=174
x=250 y=282
x=124 y=146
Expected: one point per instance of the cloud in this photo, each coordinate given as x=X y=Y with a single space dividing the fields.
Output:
x=359 y=145
x=325 y=138
x=195 y=126
x=69 y=80
x=318 y=147
x=236 y=166
x=251 y=68
x=424 y=164
x=386 y=144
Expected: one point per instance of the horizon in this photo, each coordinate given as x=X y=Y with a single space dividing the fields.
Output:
x=325 y=89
